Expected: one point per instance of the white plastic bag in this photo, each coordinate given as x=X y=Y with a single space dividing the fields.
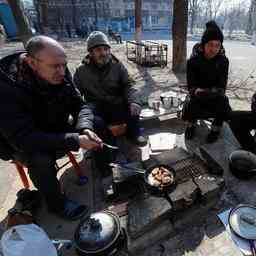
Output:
x=27 y=240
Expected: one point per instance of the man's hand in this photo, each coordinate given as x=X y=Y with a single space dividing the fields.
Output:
x=135 y=109
x=201 y=92
x=90 y=140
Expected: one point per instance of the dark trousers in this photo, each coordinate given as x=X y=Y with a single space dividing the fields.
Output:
x=206 y=107
x=112 y=115
x=115 y=114
x=42 y=172
x=241 y=124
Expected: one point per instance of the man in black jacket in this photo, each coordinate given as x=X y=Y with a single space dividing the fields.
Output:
x=37 y=98
x=207 y=75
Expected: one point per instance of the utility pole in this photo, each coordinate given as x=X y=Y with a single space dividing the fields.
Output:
x=138 y=7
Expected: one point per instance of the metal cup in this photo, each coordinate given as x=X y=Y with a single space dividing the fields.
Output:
x=167 y=102
x=175 y=102
x=156 y=105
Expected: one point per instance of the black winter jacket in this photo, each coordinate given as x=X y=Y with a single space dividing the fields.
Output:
x=205 y=73
x=34 y=114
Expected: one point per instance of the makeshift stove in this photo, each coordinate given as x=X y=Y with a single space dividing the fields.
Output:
x=146 y=210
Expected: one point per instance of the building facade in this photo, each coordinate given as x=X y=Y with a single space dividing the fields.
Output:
x=102 y=14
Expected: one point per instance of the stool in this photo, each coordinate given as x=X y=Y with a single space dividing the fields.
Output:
x=82 y=178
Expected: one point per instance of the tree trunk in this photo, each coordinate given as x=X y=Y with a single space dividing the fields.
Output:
x=192 y=24
x=96 y=15
x=24 y=31
x=74 y=14
x=179 y=35
x=250 y=22
x=138 y=7
x=38 y=16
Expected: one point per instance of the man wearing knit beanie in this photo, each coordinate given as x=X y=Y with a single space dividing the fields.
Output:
x=207 y=75
x=109 y=91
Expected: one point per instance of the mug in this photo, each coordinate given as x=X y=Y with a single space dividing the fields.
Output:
x=156 y=105
x=167 y=102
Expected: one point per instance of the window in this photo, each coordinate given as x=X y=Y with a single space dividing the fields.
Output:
x=155 y=20
x=117 y=13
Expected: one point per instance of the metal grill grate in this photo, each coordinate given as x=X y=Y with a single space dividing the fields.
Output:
x=189 y=167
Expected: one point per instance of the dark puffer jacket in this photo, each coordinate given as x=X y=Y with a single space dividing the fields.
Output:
x=110 y=85
x=205 y=73
x=34 y=114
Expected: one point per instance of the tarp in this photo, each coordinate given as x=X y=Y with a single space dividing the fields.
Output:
x=7 y=19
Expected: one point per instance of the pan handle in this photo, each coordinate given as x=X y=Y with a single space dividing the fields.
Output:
x=252 y=246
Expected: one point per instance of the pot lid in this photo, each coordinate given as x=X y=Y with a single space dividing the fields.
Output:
x=168 y=94
x=98 y=232
x=242 y=221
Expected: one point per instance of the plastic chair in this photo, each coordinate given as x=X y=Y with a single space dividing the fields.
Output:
x=82 y=178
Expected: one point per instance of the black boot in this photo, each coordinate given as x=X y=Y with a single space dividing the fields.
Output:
x=212 y=136
x=190 y=132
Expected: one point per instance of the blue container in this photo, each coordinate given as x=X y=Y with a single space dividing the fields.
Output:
x=7 y=20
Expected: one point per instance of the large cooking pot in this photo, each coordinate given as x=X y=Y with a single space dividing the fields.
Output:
x=242 y=164
x=100 y=234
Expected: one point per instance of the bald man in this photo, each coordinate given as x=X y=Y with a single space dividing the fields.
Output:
x=37 y=97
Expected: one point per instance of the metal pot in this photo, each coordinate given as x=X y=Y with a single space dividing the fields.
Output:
x=242 y=164
x=100 y=234
x=169 y=100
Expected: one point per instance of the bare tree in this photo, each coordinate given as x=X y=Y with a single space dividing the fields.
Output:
x=138 y=7
x=60 y=19
x=179 y=34
x=209 y=9
x=74 y=14
x=250 y=21
x=95 y=14
x=193 y=12
x=253 y=3
x=24 y=30
x=44 y=16
x=235 y=17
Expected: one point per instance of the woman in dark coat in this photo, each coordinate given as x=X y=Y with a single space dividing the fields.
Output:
x=207 y=75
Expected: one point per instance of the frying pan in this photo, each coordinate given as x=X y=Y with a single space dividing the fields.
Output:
x=146 y=172
x=242 y=222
